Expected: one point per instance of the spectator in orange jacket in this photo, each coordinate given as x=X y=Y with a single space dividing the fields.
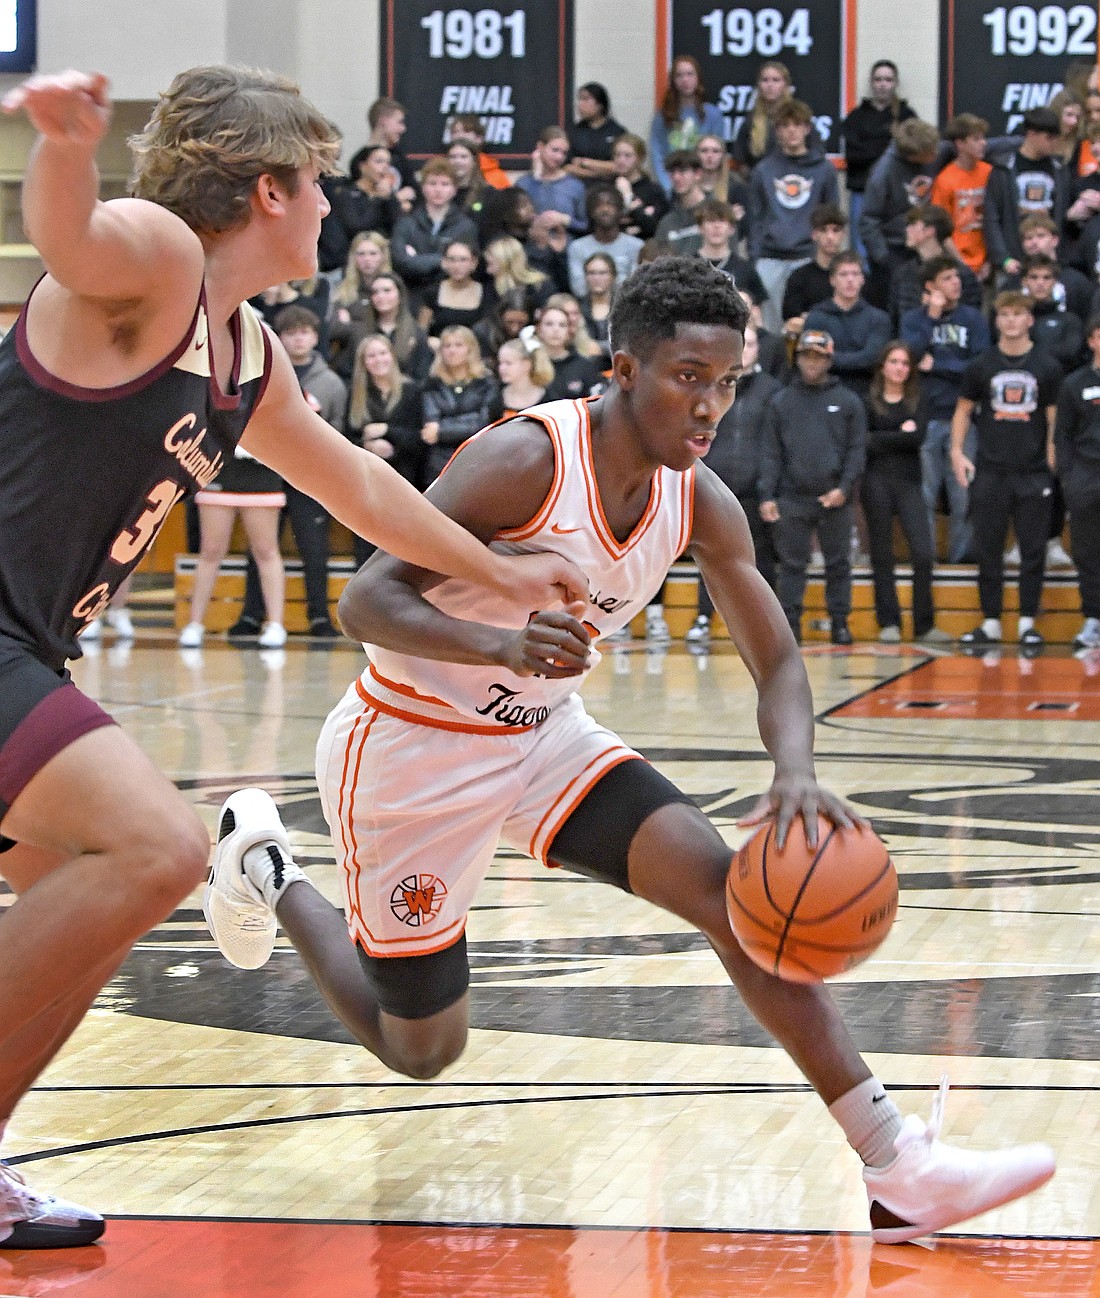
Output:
x=960 y=189
x=468 y=126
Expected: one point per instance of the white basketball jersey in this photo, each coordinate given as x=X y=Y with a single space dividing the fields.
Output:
x=623 y=577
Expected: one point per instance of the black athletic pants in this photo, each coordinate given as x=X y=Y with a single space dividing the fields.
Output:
x=1024 y=499
x=310 y=523
x=884 y=499
x=799 y=518
x=1084 y=544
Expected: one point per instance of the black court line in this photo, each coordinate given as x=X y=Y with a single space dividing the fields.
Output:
x=726 y=1088
x=430 y=1224
x=874 y=689
x=397 y=1110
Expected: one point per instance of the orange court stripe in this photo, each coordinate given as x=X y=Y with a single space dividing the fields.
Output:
x=241 y=1258
x=1007 y=689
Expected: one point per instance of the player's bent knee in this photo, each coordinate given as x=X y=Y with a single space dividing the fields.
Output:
x=170 y=861
x=421 y=1050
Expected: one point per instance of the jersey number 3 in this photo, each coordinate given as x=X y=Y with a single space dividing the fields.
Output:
x=133 y=540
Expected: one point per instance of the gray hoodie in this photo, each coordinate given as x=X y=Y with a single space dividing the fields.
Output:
x=783 y=193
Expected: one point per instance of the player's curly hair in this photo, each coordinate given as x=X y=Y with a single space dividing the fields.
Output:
x=215 y=131
x=668 y=292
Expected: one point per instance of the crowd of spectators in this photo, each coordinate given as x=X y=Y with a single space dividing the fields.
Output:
x=925 y=336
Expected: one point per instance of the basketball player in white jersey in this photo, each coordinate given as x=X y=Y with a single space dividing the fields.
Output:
x=132 y=373
x=466 y=728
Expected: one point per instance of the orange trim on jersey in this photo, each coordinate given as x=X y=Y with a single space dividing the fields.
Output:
x=407 y=690
x=626 y=756
x=419 y=719
x=528 y=529
x=544 y=511
x=604 y=533
x=366 y=935
x=687 y=509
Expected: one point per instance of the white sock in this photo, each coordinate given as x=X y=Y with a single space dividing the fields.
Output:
x=1092 y=625
x=653 y=612
x=870 y=1120
x=1026 y=623
x=992 y=627
x=270 y=870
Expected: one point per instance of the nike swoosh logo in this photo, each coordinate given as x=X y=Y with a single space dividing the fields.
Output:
x=563 y=531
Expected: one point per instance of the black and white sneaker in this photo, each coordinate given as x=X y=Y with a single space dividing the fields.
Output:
x=978 y=639
x=240 y=918
x=29 y=1219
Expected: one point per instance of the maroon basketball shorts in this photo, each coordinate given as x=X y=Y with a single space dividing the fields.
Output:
x=41 y=712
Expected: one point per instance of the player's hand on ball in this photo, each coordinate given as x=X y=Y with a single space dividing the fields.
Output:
x=553 y=644
x=800 y=795
x=68 y=108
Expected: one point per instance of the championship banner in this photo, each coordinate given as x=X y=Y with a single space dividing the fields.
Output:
x=1000 y=60
x=814 y=39
x=512 y=65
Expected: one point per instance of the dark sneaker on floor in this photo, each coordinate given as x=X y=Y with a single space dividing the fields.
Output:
x=244 y=629
x=29 y=1219
x=977 y=638
x=322 y=629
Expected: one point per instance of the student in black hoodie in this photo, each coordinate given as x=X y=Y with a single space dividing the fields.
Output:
x=1077 y=449
x=1055 y=329
x=735 y=457
x=1033 y=179
x=868 y=131
x=902 y=178
x=859 y=330
x=813 y=451
x=809 y=285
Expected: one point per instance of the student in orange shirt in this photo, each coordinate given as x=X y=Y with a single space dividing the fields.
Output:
x=960 y=189
x=468 y=126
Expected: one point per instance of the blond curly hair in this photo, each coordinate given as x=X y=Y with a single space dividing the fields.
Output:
x=215 y=131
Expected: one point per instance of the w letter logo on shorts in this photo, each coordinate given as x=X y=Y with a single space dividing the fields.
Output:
x=417 y=899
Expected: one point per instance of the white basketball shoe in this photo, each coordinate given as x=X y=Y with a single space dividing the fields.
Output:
x=239 y=916
x=29 y=1219
x=930 y=1185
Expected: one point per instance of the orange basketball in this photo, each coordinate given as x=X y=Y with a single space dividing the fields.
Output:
x=809 y=913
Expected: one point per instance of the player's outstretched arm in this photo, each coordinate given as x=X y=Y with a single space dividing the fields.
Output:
x=365 y=494
x=723 y=548
x=124 y=249
x=499 y=481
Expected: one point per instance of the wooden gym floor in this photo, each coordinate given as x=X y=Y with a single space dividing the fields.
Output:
x=618 y=1126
